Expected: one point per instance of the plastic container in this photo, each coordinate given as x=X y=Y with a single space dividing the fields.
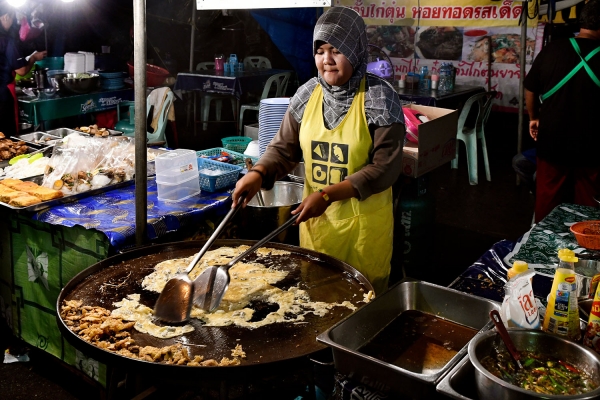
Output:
x=176 y=192
x=562 y=312
x=176 y=166
x=517 y=268
x=587 y=234
x=236 y=143
x=215 y=175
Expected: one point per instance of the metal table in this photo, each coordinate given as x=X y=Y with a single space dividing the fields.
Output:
x=444 y=99
x=234 y=83
x=38 y=111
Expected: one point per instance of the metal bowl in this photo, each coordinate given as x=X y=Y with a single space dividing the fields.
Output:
x=74 y=83
x=257 y=221
x=491 y=387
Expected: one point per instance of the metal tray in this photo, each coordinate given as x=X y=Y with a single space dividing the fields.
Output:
x=459 y=383
x=110 y=131
x=358 y=329
x=61 y=132
x=30 y=149
x=67 y=199
x=38 y=138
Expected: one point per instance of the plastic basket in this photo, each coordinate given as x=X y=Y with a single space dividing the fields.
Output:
x=587 y=234
x=236 y=158
x=236 y=143
x=211 y=183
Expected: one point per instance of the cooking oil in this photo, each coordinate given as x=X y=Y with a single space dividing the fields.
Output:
x=562 y=313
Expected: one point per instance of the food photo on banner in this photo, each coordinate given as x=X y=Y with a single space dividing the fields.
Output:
x=465 y=33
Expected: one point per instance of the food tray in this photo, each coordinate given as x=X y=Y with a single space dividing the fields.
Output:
x=38 y=138
x=30 y=149
x=211 y=183
x=111 y=132
x=460 y=382
x=236 y=143
x=237 y=158
x=62 y=132
x=66 y=199
x=351 y=334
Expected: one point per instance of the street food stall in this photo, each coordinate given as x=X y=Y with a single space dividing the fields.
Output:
x=74 y=285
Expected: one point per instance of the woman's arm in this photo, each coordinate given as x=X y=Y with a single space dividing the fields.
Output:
x=35 y=56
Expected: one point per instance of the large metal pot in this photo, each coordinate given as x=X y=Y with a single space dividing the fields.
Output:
x=258 y=221
x=491 y=387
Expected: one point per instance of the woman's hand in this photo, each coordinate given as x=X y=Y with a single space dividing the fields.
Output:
x=251 y=183
x=312 y=206
x=533 y=128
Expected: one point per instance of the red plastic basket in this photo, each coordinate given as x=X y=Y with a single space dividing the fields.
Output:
x=155 y=76
x=587 y=234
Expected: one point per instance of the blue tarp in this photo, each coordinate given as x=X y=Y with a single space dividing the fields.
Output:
x=291 y=30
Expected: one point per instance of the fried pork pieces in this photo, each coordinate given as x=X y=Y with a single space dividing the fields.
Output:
x=96 y=326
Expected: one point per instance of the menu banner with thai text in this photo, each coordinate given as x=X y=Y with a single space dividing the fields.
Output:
x=483 y=13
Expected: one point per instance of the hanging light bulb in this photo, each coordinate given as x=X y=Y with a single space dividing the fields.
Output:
x=16 y=3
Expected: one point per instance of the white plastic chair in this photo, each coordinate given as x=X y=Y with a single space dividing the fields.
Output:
x=469 y=136
x=257 y=62
x=207 y=98
x=158 y=136
x=279 y=81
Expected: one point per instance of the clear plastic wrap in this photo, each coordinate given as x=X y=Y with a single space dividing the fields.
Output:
x=79 y=163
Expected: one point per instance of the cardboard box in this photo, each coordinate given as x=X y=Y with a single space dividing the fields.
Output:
x=437 y=141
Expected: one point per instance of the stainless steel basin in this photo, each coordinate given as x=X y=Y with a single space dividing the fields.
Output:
x=358 y=329
x=459 y=383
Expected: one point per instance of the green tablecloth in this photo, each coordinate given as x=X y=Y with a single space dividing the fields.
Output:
x=36 y=111
x=539 y=247
x=44 y=258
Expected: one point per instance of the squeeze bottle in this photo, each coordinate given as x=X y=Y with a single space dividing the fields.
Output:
x=517 y=268
x=562 y=313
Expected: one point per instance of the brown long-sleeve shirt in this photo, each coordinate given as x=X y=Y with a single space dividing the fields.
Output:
x=284 y=153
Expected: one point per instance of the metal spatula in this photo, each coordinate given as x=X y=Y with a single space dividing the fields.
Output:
x=175 y=301
x=211 y=284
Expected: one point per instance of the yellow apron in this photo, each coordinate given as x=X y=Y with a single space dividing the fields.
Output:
x=357 y=232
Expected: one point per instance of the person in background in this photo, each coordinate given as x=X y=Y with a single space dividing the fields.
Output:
x=11 y=62
x=562 y=94
x=348 y=126
x=524 y=164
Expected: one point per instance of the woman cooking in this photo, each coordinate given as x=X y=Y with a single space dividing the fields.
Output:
x=348 y=127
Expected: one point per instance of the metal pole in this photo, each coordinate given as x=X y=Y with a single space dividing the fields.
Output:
x=192 y=45
x=139 y=78
x=193 y=35
x=521 y=78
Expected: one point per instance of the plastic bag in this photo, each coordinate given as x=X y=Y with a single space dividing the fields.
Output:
x=519 y=308
x=412 y=119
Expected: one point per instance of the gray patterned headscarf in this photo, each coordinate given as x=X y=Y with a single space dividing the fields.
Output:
x=344 y=29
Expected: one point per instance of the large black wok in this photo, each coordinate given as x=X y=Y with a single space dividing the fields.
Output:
x=325 y=278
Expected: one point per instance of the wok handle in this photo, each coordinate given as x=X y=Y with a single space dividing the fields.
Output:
x=264 y=240
x=215 y=234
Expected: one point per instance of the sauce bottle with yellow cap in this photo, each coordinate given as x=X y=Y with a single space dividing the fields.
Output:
x=562 y=314
x=517 y=268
